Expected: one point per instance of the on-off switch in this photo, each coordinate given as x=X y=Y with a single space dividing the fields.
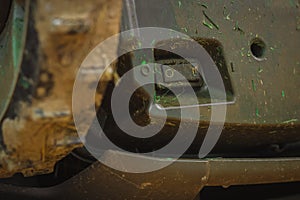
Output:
x=168 y=73
x=188 y=71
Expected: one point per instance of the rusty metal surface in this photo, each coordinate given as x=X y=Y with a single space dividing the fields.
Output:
x=38 y=129
x=265 y=109
x=181 y=180
x=267 y=87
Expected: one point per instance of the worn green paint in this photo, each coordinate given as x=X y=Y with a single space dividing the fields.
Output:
x=179 y=4
x=283 y=93
x=253 y=85
x=257 y=112
x=12 y=44
x=185 y=29
x=290 y=121
x=204 y=5
x=25 y=84
x=210 y=20
x=17 y=43
x=209 y=25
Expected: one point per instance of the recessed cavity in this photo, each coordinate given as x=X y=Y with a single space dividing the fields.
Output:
x=258 y=48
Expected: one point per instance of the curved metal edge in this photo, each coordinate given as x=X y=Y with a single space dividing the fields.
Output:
x=182 y=180
x=15 y=46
